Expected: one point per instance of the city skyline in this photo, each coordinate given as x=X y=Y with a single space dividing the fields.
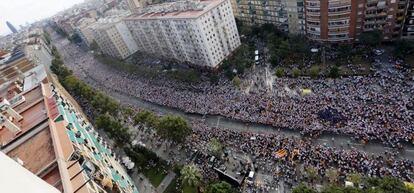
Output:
x=18 y=12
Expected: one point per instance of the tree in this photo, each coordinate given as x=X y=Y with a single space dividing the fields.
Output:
x=332 y=189
x=280 y=72
x=215 y=147
x=75 y=38
x=220 y=187
x=296 y=72
x=334 y=72
x=314 y=71
x=191 y=175
x=312 y=174
x=94 y=46
x=387 y=185
x=371 y=38
x=236 y=81
x=173 y=128
x=302 y=188
x=332 y=175
x=403 y=48
x=355 y=178
x=146 y=117
x=284 y=49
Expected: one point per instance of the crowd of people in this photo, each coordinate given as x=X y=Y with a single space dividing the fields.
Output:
x=262 y=147
x=378 y=107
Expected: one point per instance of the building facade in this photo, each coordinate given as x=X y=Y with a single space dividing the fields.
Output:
x=345 y=20
x=287 y=15
x=42 y=129
x=331 y=20
x=408 y=29
x=84 y=31
x=114 y=38
x=201 y=33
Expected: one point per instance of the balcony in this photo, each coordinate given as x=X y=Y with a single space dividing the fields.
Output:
x=332 y=13
x=374 y=21
x=338 y=26
x=314 y=19
x=313 y=13
x=339 y=5
x=338 y=39
x=313 y=32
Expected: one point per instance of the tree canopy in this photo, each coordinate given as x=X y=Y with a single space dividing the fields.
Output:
x=220 y=187
x=174 y=128
x=191 y=175
x=371 y=38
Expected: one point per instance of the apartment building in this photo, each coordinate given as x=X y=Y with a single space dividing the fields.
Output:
x=114 y=38
x=330 y=20
x=42 y=129
x=136 y=5
x=287 y=15
x=408 y=28
x=202 y=33
x=84 y=31
x=345 y=20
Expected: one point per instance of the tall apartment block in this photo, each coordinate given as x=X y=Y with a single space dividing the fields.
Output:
x=42 y=130
x=408 y=29
x=331 y=20
x=287 y=15
x=114 y=38
x=345 y=20
x=198 y=32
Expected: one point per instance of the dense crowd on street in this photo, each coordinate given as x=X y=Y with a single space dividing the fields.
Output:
x=262 y=147
x=378 y=107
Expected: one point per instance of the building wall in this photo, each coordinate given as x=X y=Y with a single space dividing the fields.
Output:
x=287 y=15
x=203 y=41
x=296 y=16
x=115 y=40
x=345 y=20
x=408 y=28
x=126 y=44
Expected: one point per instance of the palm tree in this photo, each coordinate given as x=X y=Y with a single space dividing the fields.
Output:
x=191 y=175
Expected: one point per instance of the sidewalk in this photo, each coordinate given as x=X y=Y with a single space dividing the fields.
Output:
x=165 y=182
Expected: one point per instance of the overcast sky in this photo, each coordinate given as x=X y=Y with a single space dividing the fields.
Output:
x=18 y=12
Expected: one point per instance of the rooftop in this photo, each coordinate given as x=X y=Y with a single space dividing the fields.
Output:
x=33 y=112
x=16 y=179
x=41 y=144
x=176 y=10
x=47 y=135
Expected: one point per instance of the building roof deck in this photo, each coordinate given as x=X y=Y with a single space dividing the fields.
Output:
x=34 y=113
x=12 y=70
x=53 y=178
x=31 y=97
x=37 y=152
